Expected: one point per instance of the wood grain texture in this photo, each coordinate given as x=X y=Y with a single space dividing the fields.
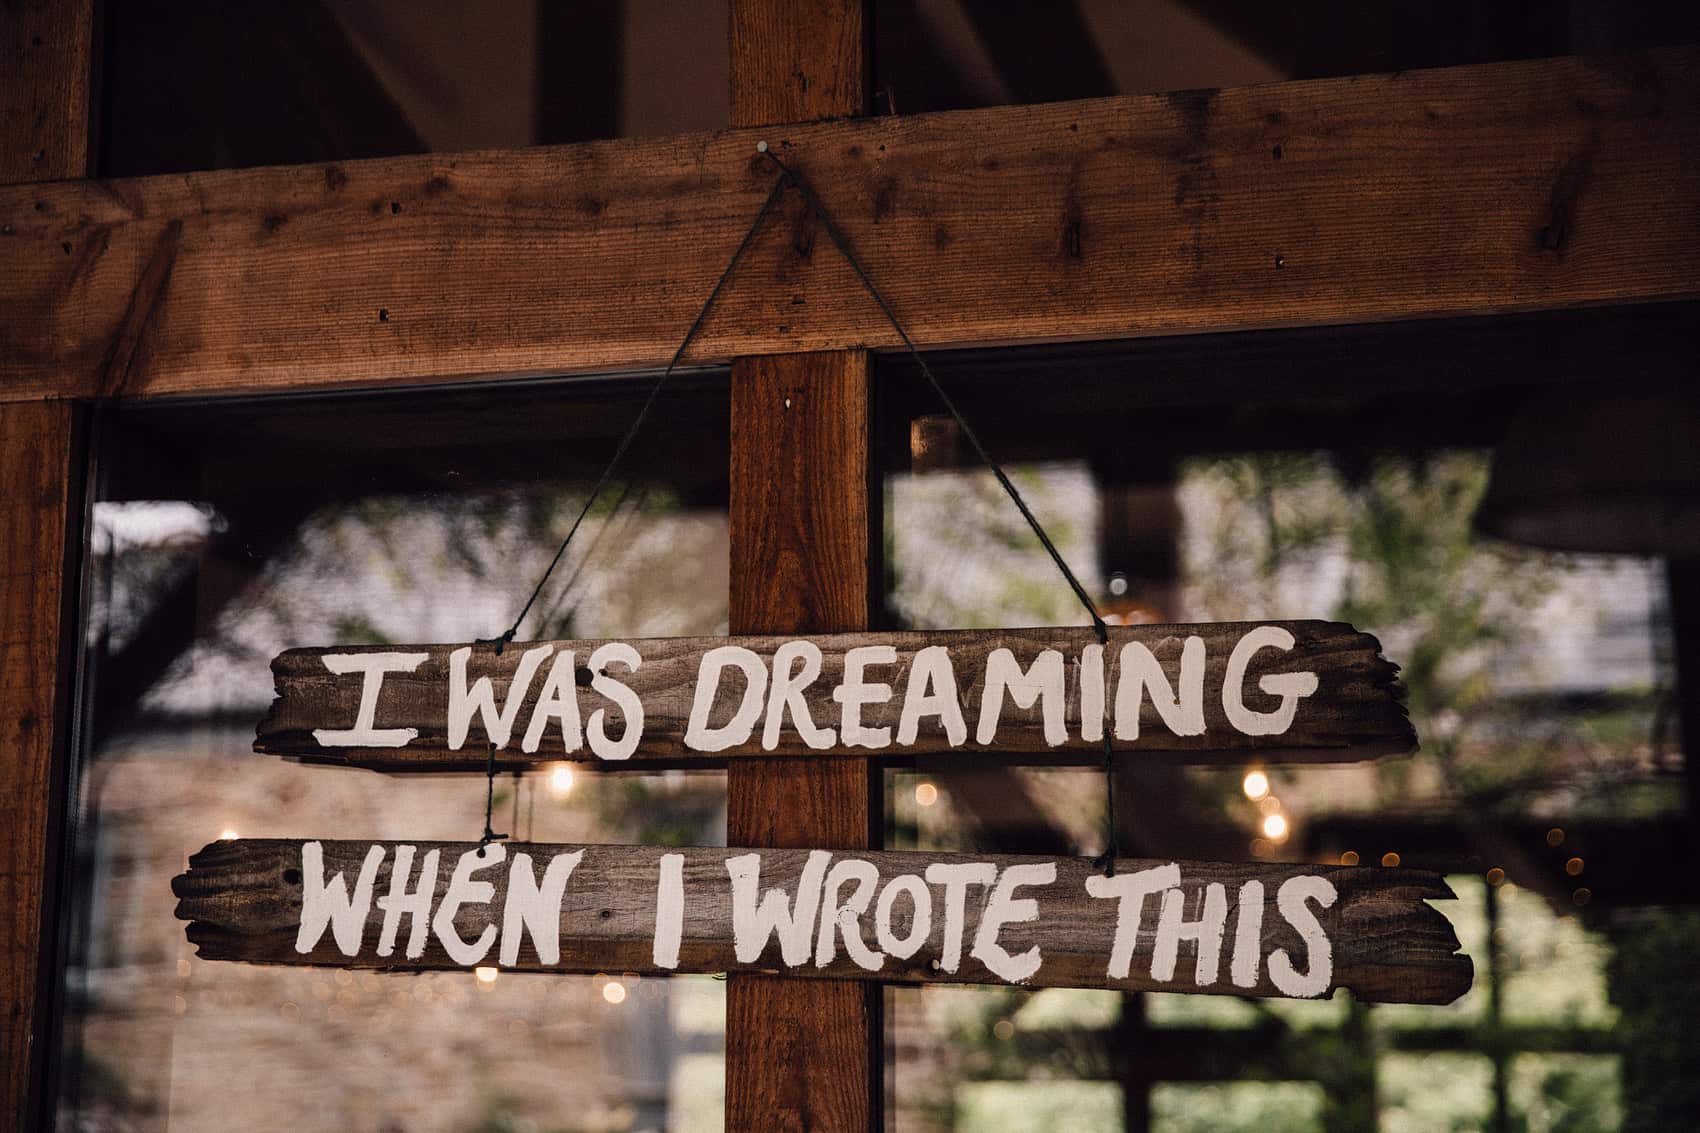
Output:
x=797 y=60
x=45 y=72
x=1510 y=187
x=1356 y=711
x=800 y=1055
x=243 y=899
x=35 y=500
x=799 y=490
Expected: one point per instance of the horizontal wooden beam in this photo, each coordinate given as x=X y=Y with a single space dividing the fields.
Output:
x=1516 y=186
x=1219 y=691
x=899 y=917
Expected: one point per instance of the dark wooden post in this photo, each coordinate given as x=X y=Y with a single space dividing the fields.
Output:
x=45 y=49
x=800 y=1054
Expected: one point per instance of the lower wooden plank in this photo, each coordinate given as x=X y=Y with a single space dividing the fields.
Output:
x=1209 y=927
x=1309 y=690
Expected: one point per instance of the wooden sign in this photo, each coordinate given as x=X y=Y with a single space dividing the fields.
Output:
x=1309 y=690
x=1254 y=930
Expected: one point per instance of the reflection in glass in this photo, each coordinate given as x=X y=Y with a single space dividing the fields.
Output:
x=286 y=533
x=1541 y=687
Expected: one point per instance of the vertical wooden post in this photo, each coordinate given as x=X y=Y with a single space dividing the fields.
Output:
x=45 y=66
x=46 y=49
x=800 y=1055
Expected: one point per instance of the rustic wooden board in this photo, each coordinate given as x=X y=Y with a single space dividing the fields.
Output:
x=1353 y=713
x=37 y=494
x=1541 y=184
x=244 y=901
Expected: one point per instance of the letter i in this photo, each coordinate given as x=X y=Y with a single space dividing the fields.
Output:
x=1248 y=935
x=669 y=910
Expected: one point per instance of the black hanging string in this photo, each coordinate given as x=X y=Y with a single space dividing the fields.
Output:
x=788 y=176
x=551 y=616
x=503 y=638
x=842 y=243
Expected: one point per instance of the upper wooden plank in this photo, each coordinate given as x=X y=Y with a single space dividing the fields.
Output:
x=1514 y=186
x=1305 y=690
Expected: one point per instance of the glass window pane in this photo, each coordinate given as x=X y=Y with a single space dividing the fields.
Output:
x=1566 y=1093
x=226 y=533
x=1034 y=1107
x=1243 y=1107
x=1255 y=478
x=1424 y=1093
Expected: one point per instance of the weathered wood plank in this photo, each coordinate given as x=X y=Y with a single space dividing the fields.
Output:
x=46 y=65
x=1305 y=690
x=1368 y=930
x=1509 y=187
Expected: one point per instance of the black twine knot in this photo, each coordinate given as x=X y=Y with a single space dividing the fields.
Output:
x=500 y=641
x=490 y=834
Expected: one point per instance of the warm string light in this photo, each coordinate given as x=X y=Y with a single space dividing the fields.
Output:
x=926 y=794
x=1273 y=824
x=561 y=781
x=614 y=992
x=486 y=976
x=227 y=835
